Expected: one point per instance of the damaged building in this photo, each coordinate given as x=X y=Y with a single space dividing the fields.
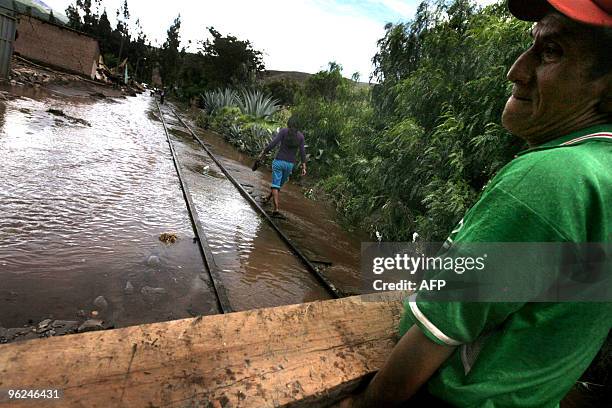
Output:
x=56 y=45
x=51 y=43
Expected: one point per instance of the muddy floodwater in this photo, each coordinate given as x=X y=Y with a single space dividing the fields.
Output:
x=86 y=191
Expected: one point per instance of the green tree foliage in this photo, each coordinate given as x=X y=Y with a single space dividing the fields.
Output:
x=284 y=90
x=169 y=54
x=333 y=113
x=221 y=62
x=415 y=156
x=115 y=43
x=74 y=19
x=228 y=61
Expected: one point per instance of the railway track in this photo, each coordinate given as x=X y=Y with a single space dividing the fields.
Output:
x=214 y=271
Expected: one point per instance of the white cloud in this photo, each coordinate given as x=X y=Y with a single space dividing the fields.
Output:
x=299 y=35
x=294 y=35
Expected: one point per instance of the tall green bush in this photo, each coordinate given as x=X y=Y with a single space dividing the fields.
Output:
x=414 y=154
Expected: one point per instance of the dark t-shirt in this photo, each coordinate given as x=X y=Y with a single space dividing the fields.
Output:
x=286 y=152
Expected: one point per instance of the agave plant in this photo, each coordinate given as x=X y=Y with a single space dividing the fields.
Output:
x=234 y=133
x=217 y=99
x=257 y=104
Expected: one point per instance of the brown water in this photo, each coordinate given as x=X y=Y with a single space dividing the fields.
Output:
x=82 y=207
x=81 y=211
x=310 y=223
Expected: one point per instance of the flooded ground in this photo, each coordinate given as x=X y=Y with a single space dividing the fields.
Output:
x=311 y=224
x=87 y=188
x=82 y=209
x=258 y=269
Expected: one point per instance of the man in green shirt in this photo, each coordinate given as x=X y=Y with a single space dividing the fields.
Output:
x=525 y=354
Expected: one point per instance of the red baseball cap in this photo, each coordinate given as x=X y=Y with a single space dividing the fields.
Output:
x=594 y=12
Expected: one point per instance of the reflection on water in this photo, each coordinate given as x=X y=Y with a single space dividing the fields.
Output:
x=82 y=209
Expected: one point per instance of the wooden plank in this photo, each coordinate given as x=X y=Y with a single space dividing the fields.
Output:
x=298 y=355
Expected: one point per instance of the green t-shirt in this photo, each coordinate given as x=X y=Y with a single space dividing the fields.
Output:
x=527 y=354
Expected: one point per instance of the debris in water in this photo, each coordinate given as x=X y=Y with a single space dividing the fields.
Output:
x=147 y=291
x=129 y=288
x=168 y=237
x=59 y=112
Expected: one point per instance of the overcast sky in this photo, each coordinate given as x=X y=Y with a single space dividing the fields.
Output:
x=294 y=35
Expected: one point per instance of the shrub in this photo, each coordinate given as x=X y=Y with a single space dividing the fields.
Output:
x=283 y=90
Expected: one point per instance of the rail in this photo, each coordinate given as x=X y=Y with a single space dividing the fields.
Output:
x=209 y=260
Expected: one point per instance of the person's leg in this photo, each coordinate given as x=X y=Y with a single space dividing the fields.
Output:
x=275 y=193
x=277 y=181
x=286 y=169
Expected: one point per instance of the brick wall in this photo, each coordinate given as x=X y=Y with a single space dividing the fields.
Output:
x=57 y=46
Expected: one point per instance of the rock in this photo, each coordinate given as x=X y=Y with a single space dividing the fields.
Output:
x=30 y=336
x=44 y=326
x=153 y=260
x=44 y=323
x=100 y=303
x=49 y=333
x=94 y=313
x=148 y=291
x=129 y=288
x=56 y=112
x=91 y=325
x=16 y=332
x=61 y=327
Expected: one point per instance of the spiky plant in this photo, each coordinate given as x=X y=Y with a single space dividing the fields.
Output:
x=217 y=99
x=257 y=104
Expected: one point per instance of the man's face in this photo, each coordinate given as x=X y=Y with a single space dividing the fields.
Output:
x=553 y=92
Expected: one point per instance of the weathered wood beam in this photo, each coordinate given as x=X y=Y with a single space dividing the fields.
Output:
x=298 y=355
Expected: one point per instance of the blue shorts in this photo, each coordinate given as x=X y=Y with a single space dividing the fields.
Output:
x=281 y=170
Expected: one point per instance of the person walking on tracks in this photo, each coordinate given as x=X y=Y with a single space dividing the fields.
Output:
x=559 y=190
x=290 y=140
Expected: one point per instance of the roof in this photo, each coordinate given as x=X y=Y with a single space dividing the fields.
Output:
x=35 y=8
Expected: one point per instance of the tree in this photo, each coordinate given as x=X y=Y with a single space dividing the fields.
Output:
x=90 y=20
x=74 y=19
x=52 y=19
x=169 y=53
x=229 y=61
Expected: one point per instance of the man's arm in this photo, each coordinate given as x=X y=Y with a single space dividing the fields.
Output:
x=271 y=145
x=414 y=359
